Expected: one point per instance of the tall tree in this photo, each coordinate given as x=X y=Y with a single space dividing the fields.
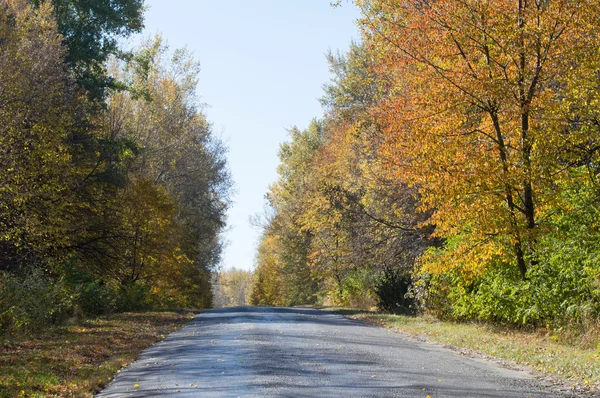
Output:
x=37 y=112
x=466 y=119
x=91 y=30
x=176 y=151
x=372 y=215
x=285 y=245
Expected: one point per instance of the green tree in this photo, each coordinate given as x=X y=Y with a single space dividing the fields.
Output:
x=91 y=30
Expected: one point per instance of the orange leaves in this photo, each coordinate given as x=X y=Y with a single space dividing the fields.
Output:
x=466 y=116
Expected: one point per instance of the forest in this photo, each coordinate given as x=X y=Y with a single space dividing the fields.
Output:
x=114 y=188
x=450 y=189
x=455 y=172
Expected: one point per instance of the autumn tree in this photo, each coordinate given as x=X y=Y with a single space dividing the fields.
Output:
x=365 y=227
x=340 y=224
x=37 y=111
x=466 y=116
x=267 y=280
x=285 y=245
x=175 y=159
x=112 y=198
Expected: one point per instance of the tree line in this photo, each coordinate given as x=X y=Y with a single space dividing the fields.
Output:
x=113 y=186
x=455 y=170
x=231 y=288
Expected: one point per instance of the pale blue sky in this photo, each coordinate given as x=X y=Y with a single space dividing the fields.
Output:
x=263 y=67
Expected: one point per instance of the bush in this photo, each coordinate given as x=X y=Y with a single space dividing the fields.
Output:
x=500 y=295
x=92 y=296
x=392 y=292
x=562 y=285
x=132 y=297
x=431 y=293
x=567 y=274
x=560 y=291
x=357 y=289
x=95 y=298
x=33 y=301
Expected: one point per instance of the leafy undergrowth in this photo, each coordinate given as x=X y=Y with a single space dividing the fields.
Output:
x=78 y=360
x=570 y=365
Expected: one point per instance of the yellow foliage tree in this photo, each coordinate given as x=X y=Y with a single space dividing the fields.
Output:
x=466 y=116
x=37 y=109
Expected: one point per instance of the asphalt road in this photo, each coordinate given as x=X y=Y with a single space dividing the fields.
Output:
x=297 y=352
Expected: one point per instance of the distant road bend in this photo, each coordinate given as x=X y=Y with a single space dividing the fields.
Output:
x=301 y=352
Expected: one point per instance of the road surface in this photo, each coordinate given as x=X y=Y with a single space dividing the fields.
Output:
x=301 y=352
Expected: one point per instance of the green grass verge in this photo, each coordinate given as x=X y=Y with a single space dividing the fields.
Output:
x=79 y=360
x=568 y=364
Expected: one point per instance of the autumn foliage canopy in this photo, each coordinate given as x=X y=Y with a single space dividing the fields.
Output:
x=459 y=147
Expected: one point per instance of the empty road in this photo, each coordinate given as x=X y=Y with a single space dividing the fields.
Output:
x=297 y=352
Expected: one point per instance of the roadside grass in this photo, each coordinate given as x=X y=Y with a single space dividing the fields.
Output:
x=79 y=360
x=571 y=365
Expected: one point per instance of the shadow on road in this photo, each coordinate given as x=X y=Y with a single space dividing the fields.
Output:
x=304 y=352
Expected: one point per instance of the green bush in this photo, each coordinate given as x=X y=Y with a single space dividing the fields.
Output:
x=562 y=285
x=96 y=298
x=561 y=290
x=358 y=289
x=567 y=273
x=132 y=297
x=392 y=292
x=92 y=296
x=500 y=296
x=33 y=301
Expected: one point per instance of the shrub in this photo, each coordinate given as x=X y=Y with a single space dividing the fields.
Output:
x=32 y=301
x=562 y=285
x=132 y=297
x=392 y=292
x=358 y=289
x=96 y=298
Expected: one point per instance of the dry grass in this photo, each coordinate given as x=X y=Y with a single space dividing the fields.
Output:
x=78 y=360
x=577 y=366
